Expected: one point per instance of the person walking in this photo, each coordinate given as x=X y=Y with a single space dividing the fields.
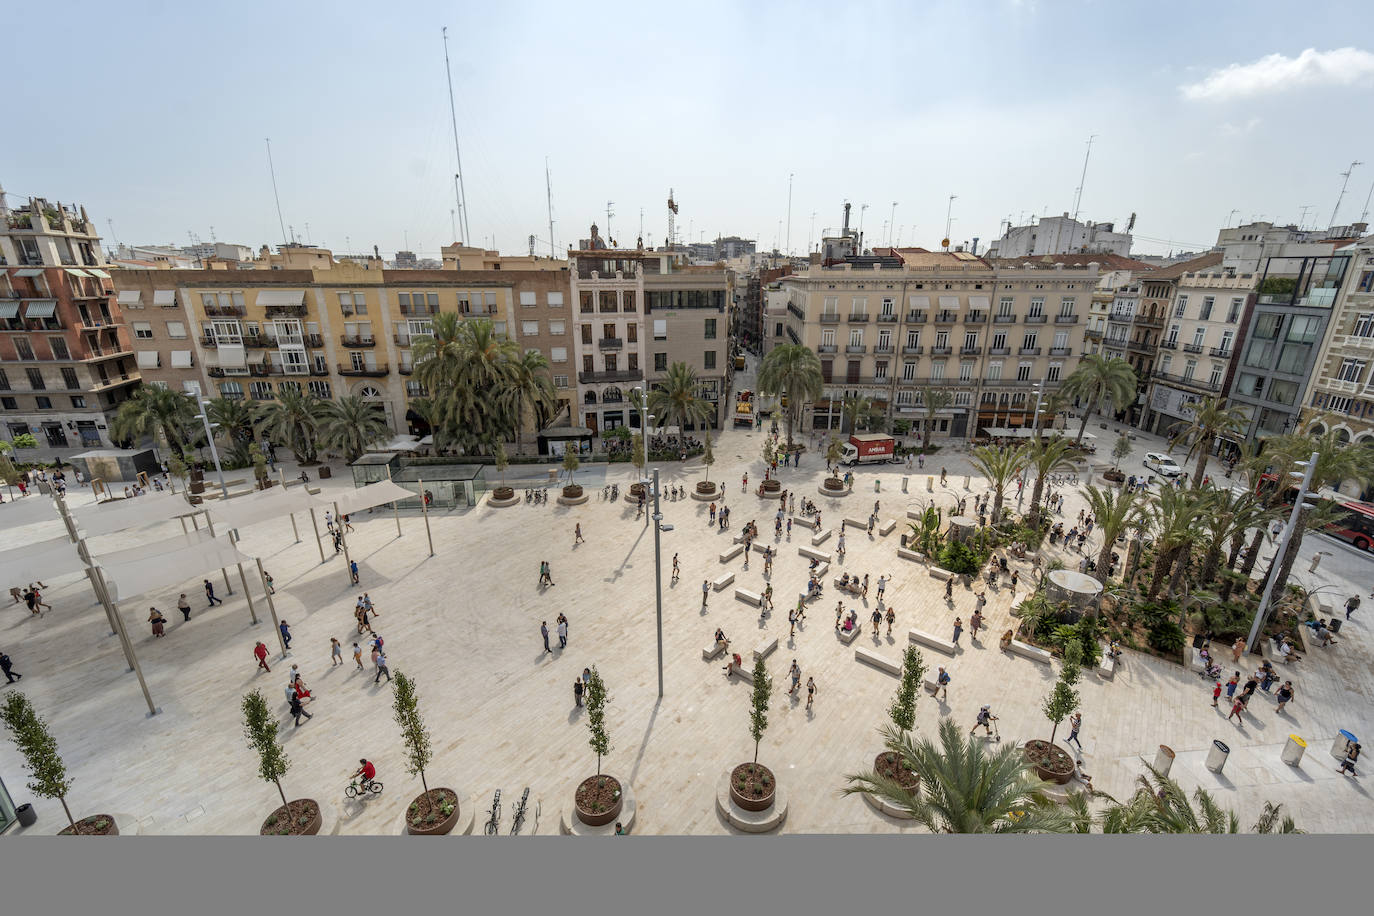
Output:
x=382 y=669
x=1284 y=696
x=1237 y=708
x=942 y=682
x=347 y=526
x=712 y=519
x=544 y=632
x=975 y=623
x=285 y=634
x=1231 y=686
x=1352 y=604
x=1352 y=754
x=157 y=620
x=577 y=535
x=677 y=570
x=1248 y=690
x=891 y=619
x=791 y=623
x=358 y=656
x=882 y=586
x=210 y=594
x=562 y=633
x=1216 y=693
x=577 y=691
x=958 y=629
x=7 y=666
x=1075 y=723
x=877 y=618
x=810 y=691
x=271 y=586
x=1237 y=649
x=705 y=590
x=184 y=606
x=260 y=651
x=335 y=652
x=795 y=674
x=353 y=571
x=1015 y=577
x=297 y=710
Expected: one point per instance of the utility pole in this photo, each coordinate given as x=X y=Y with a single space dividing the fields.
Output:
x=1345 y=181
x=548 y=193
x=948 y=218
x=789 y=213
x=811 y=238
x=1252 y=641
x=458 y=177
x=1078 y=195
x=891 y=224
x=862 y=208
x=277 y=197
x=658 y=581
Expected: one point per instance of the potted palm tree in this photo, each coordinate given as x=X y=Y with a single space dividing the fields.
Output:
x=434 y=812
x=792 y=372
x=41 y=758
x=298 y=817
x=676 y=398
x=752 y=785
x=771 y=485
x=572 y=493
x=351 y=424
x=705 y=489
x=1097 y=378
x=598 y=798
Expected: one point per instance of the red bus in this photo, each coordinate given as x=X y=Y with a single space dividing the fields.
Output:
x=1354 y=522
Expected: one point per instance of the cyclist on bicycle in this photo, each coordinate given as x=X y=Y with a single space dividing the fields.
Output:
x=368 y=772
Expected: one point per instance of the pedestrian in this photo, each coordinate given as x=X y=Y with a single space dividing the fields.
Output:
x=705 y=590
x=7 y=666
x=882 y=585
x=328 y=521
x=810 y=691
x=297 y=710
x=1216 y=693
x=1249 y=689
x=676 y=568
x=358 y=656
x=1237 y=708
x=285 y=634
x=338 y=542
x=877 y=618
x=1284 y=695
x=544 y=632
x=984 y=719
x=260 y=650
x=335 y=652
x=942 y=477
x=942 y=682
x=157 y=620
x=795 y=674
x=1352 y=754
x=1015 y=577
x=791 y=622
x=347 y=526
x=713 y=514
x=958 y=629
x=1231 y=685
x=587 y=676
x=1352 y=604
x=577 y=535
x=577 y=691
x=271 y=587
x=789 y=528
x=353 y=571
x=1075 y=723
x=1237 y=648
x=744 y=483
x=891 y=619
x=562 y=633
x=975 y=623
x=382 y=669
x=210 y=593
x=839 y=613
x=949 y=589
x=184 y=606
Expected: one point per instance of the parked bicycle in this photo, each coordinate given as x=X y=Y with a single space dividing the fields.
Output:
x=356 y=789
x=518 y=820
x=494 y=822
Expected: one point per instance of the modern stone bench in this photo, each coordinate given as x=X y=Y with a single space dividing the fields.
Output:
x=855 y=523
x=748 y=597
x=906 y=554
x=881 y=662
x=1106 y=667
x=935 y=642
x=764 y=549
x=812 y=553
x=728 y=555
x=723 y=581
x=851 y=588
x=941 y=574
x=740 y=672
x=821 y=537
x=716 y=648
x=766 y=648
x=821 y=570
x=737 y=539
x=1034 y=653
x=887 y=527
x=848 y=636
x=805 y=522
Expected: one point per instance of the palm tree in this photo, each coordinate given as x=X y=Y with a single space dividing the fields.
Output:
x=237 y=419
x=1229 y=515
x=1113 y=511
x=153 y=409
x=859 y=412
x=294 y=418
x=934 y=400
x=792 y=371
x=1161 y=806
x=428 y=410
x=352 y=423
x=529 y=392
x=1053 y=405
x=963 y=788
x=1000 y=465
x=1098 y=377
x=1173 y=516
x=675 y=398
x=467 y=366
x=1210 y=419
x=1046 y=458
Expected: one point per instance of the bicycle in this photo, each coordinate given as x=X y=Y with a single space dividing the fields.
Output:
x=494 y=822
x=355 y=790
x=519 y=819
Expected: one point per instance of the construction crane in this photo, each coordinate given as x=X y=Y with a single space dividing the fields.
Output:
x=672 y=219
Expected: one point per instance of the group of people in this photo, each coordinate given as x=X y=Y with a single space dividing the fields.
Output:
x=32 y=598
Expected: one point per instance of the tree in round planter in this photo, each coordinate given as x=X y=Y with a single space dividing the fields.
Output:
x=435 y=811
x=637 y=459
x=571 y=464
x=500 y=461
x=752 y=785
x=1120 y=450
x=1051 y=762
x=41 y=758
x=300 y=817
x=890 y=768
x=259 y=466
x=598 y=797
x=708 y=458
x=834 y=451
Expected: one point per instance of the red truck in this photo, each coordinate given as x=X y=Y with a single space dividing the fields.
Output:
x=868 y=448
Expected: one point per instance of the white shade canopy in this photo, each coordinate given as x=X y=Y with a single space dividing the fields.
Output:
x=169 y=568
x=116 y=515
x=40 y=562
x=261 y=506
x=374 y=494
x=26 y=511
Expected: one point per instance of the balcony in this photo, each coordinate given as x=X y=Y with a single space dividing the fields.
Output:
x=371 y=371
x=1028 y=351
x=102 y=353
x=610 y=343
x=887 y=319
x=1035 y=319
x=883 y=348
x=976 y=318
x=1004 y=319
x=999 y=351
x=357 y=342
x=1197 y=383
x=855 y=348
x=1065 y=319
x=1142 y=321
x=613 y=375
x=230 y=311
x=941 y=351
x=1121 y=318
x=796 y=311
x=857 y=318
x=416 y=311
x=1168 y=344
x=826 y=348
x=1061 y=351
x=405 y=370
x=280 y=311
x=1221 y=352
x=970 y=351
x=830 y=318
x=1092 y=334
x=1139 y=346
x=946 y=317
x=913 y=351
x=916 y=316
x=319 y=371
x=113 y=381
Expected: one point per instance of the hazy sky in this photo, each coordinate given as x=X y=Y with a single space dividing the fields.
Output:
x=154 y=116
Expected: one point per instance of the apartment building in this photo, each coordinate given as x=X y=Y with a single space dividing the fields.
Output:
x=66 y=363
x=1053 y=235
x=163 y=337
x=1198 y=342
x=990 y=335
x=638 y=312
x=1342 y=391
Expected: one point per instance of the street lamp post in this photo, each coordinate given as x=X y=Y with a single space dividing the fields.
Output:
x=1311 y=466
x=204 y=416
x=658 y=582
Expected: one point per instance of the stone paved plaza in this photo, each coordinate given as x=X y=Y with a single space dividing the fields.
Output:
x=465 y=625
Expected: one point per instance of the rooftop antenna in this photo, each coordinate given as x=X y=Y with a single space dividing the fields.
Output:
x=949 y=219
x=672 y=219
x=641 y=222
x=273 y=169
x=1346 y=180
x=452 y=225
x=1231 y=217
x=790 y=175
x=862 y=208
x=1363 y=216
x=891 y=224
x=811 y=237
x=212 y=234
x=1302 y=215
x=307 y=233
x=1078 y=194
x=459 y=192
x=548 y=193
x=609 y=214
x=531 y=244
x=110 y=223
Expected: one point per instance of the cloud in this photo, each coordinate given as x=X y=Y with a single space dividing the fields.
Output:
x=1232 y=130
x=1276 y=73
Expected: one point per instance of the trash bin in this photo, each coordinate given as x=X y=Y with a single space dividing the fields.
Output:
x=1334 y=625
x=1342 y=744
x=1164 y=759
x=1216 y=757
x=904 y=482
x=26 y=816
x=1292 y=751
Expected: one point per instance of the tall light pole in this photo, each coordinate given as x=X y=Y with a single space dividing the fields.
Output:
x=789 y=213
x=1310 y=464
x=204 y=417
x=658 y=582
x=891 y=223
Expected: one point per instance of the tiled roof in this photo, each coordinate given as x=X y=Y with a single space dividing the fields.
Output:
x=1174 y=271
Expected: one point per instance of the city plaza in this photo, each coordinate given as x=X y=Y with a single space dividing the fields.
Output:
x=464 y=623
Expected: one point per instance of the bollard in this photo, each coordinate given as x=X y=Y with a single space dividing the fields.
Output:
x=904 y=481
x=1164 y=759
x=1343 y=741
x=877 y=486
x=966 y=480
x=930 y=483
x=1292 y=751
x=1216 y=757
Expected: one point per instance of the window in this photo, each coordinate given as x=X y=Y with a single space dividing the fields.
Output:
x=970 y=339
x=660 y=329
x=78 y=402
x=1364 y=325
x=9 y=403
x=143 y=330
x=856 y=337
x=887 y=307
x=632 y=333
x=528 y=298
x=59 y=348
x=44 y=403
x=176 y=330
x=1303 y=329
x=1226 y=338
x=232 y=391
x=69 y=380
x=555 y=300
x=1351 y=370
x=710 y=359
x=36 y=379
x=832 y=305
x=913 y=339
x=490 y=299
x=260 y=391
x=1055 y=370
x=586 y=334
x=1268 y=326
x=22 y=347
x=1061 y=339
x=587 y=365
x=499 y=327
x=777 y=329
x=995 y=371
x=295 y=388
x=560 y=381
x=999 y=340
x=1181 y=306
x=464 y=307
x=1215 y=378
x=1004 y=306
x=414 y=389
x=1340 y=405
x=1066 y=306
x=909 y=371
x=828 y=337
x=859 y=307
x=1234 y=313
x=1188 y=369
x=1283 y=392
x=529 y=328
x=1293 y=358
x=937 y=370
x=1029 y=340
x=1207 y=303
x=181 y=359
x=1023 y=372
x=633 y=362
x=1199 y=335
x=660 y=362
x=4 y=380
x=1166 y=363
x=1366 y=283
x=321 y=364
x=557 y=328
x=1037 y=307
x=710 y=329
x=966 y=371
x=558 y=354
x=320 y=389
x=906 y=398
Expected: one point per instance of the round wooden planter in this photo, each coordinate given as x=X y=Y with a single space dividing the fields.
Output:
x=610 y=812
x=310 y=829
x=85 y=827
x=828 y=490
x=636 y=490
x=751 y=801
x=706 y=491
x=881 y=766
x=1059 y=777
x=572 y=495
x=772 y=485
x=442 y=826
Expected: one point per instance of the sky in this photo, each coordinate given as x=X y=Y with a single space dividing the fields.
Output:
x=154 y=115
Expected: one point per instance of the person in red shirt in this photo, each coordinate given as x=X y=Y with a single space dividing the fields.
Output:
x=1216 y=693
x=260 y=650
x=367 y=771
